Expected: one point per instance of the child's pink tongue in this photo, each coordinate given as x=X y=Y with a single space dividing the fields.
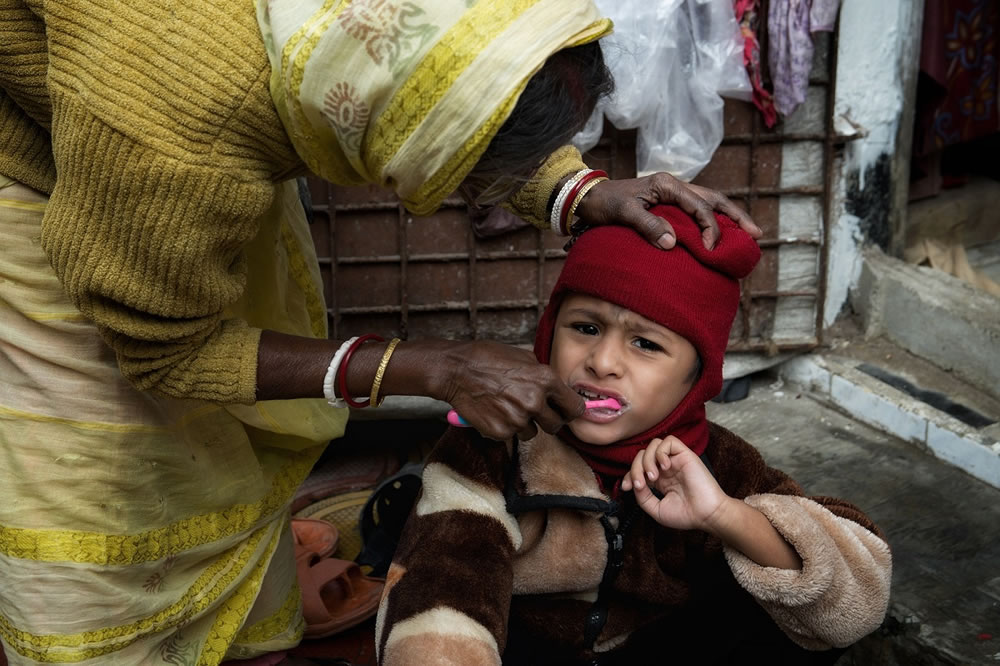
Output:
x=609 y=403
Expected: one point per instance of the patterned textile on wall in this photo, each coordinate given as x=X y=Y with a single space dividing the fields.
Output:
x=957 y=99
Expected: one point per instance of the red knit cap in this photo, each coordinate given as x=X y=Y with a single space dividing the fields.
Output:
x=689 y=289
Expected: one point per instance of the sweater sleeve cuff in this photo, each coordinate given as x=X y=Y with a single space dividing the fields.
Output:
x=531 y=202
x=222 y=369
x=840 y=594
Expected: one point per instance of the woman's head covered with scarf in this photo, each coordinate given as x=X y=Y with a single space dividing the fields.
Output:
x=690 y=290
x=416 y=95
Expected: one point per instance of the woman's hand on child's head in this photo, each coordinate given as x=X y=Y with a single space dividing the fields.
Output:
x=686 y=494
x=627 y=202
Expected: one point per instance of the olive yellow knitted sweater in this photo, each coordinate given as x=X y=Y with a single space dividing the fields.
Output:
x=151 y=126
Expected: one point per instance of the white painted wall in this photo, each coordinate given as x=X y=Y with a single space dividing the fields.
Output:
x=874 y=43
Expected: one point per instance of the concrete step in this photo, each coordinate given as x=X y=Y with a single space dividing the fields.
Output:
x=933 y=315
x=884 y=386
x=942 y=525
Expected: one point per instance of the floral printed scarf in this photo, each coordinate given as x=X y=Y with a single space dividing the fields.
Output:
x=408 y=94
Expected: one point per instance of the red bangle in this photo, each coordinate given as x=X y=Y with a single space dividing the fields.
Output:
x=342 y=370
x=563 y=214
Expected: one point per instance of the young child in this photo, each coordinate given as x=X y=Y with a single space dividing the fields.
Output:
x=637 y=535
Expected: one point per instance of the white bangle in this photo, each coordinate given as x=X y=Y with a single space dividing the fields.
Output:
x=331 y=376
x=555 y=216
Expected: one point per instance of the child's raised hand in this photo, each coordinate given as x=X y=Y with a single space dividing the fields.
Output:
x=690 y=494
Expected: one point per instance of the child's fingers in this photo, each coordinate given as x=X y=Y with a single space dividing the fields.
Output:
x=675 y=445
x=645 y=498
x=634 y=477
x=663 y=456
x=649 y=462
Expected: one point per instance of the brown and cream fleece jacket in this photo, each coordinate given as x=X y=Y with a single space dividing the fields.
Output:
x=513 y=554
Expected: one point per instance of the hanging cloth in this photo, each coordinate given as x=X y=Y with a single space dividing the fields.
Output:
x=790 y=24
x=748 y=16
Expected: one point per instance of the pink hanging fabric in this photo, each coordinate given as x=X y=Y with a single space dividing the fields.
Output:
x=748 y=16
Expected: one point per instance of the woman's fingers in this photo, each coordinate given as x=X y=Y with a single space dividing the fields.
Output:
x=666 y=189
x=528 y=432
x=627 y=202
x=504 y=391
x=723 y=204
x=563 y=402
x=654 y=229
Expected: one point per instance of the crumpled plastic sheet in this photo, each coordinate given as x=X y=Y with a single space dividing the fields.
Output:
x=673 y=61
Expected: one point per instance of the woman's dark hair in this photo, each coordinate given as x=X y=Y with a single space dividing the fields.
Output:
x=554 y=106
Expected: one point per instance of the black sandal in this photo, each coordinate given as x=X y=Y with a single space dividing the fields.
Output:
x=384 y=515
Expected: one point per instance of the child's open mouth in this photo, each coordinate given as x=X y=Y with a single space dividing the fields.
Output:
x=601 y=408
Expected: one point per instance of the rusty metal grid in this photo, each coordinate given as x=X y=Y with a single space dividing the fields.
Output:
x=388 y=271
x=395 y=317
x=760 y=196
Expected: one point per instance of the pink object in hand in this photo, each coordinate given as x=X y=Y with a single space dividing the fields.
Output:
x=456 y=420
x=609 y=403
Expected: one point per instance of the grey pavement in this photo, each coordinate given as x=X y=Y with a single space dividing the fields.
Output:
x=943 y=525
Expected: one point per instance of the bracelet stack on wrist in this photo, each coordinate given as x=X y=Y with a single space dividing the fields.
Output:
x=555 y=215
x=561 y=218
x=330 y=381
x=342 y=370
x=377 y=382
x=336 y=374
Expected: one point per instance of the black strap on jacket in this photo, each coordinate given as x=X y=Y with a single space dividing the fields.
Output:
x=598 y=615
x=626 y=509
x=518 y=503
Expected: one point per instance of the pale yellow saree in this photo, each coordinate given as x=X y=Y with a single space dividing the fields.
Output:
x=135 y=528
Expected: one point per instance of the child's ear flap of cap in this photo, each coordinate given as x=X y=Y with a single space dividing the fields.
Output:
x=735 y=253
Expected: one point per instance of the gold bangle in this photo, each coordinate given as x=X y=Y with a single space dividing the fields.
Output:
x=377 y=383
x=579 y=197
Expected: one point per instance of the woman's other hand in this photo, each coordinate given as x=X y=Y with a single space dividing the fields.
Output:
x=628 y=202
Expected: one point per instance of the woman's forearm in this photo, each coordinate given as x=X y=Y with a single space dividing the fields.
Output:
x=290 y=366
x=500 y=390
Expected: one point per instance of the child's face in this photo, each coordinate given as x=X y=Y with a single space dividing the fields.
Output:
x=603 y=350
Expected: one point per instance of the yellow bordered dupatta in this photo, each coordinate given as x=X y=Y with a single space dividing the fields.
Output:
x=408 y=94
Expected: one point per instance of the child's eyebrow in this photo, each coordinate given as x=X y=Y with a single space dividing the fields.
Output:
x=640 y=327
x=586 y=313
x=628 y=319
